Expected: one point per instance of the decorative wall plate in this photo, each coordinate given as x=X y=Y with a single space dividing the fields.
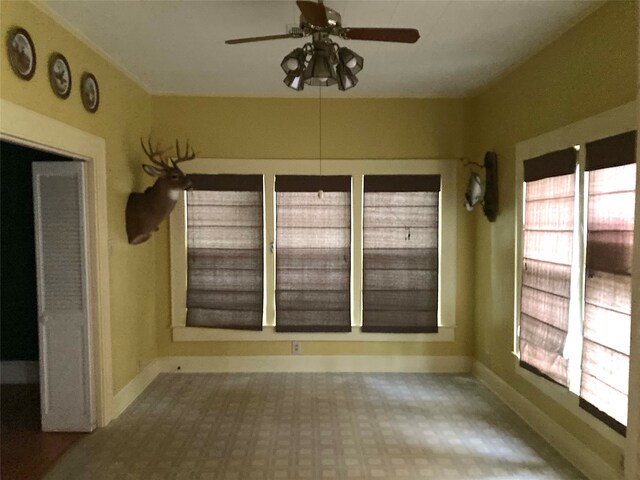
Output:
x=89 y=92
x=21 y=53
x=59 y=75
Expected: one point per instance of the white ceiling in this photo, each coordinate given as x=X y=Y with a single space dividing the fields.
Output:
x=177 y=47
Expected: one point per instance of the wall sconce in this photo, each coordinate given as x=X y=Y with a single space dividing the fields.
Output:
x=474 y=194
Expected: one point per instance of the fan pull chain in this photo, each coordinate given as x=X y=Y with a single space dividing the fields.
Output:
x=320 y=192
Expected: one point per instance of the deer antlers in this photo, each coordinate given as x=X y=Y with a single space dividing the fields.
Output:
x=187 y=155
x=152 y=153
x=156 y=155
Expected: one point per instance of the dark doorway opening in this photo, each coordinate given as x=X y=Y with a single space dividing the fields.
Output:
x=26 y=452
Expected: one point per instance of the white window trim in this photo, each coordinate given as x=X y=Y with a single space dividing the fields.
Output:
x=606 y=124
x=447 y=169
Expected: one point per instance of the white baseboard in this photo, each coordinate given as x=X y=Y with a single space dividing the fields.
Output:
x=579 y=454
x=317 y=363
x=19 y=372
x=135 y=387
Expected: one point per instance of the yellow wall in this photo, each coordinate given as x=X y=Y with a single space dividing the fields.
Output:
x=123 y=117
x=590 y=69
x=288 y=128
x=253 y=128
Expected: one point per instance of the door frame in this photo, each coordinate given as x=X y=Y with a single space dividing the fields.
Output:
x=33 y=130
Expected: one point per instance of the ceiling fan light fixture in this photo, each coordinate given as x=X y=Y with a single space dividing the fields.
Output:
x=294 y=62
x=346 y=78
x=350 y=59
x=294 y=81
x=320 y=71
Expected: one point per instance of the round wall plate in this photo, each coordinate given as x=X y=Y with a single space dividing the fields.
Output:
x=21 y=53
x=59 y=75
x=89 y=92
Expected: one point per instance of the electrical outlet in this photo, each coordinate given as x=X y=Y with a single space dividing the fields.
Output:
x=295 y=347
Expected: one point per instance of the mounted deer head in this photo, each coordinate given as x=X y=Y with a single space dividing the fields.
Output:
x=145 y=211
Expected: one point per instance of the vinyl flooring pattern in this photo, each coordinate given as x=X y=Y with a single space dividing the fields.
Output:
x=314 y=426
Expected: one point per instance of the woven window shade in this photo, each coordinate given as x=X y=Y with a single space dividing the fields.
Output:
x=546 y=271
x=313 y=258
x=604 y=385
x=400 y=254
x=225 y=252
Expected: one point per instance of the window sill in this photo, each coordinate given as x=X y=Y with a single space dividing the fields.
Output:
x=568 y=400
x=268 y=334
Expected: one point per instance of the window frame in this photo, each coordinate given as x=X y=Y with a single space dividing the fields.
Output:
x=606 y=124
x=379 y=186
x=244 y=184
x=446 y=168
x=575 y=273
x=303 y=187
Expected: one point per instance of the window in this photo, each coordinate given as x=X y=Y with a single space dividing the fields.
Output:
x=546 y=266
x=313 y=253
x=225 y=252
x=611 y=168
x=576 y=288
x=400 y=253
x=312 y=292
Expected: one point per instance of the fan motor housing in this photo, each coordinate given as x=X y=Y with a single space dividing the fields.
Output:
x=333 y=17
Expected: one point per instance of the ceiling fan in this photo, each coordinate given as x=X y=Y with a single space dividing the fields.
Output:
x=323 y=62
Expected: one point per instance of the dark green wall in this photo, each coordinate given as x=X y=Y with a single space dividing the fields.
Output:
x=18 y=296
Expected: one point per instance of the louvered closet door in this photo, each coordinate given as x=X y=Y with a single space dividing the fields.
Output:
x=63 y=323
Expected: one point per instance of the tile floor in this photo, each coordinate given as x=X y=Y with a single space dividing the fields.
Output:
x=314 y=426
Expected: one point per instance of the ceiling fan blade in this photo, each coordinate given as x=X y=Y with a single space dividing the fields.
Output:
x=402 y=35
x=314 y=13
x=258 y=39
